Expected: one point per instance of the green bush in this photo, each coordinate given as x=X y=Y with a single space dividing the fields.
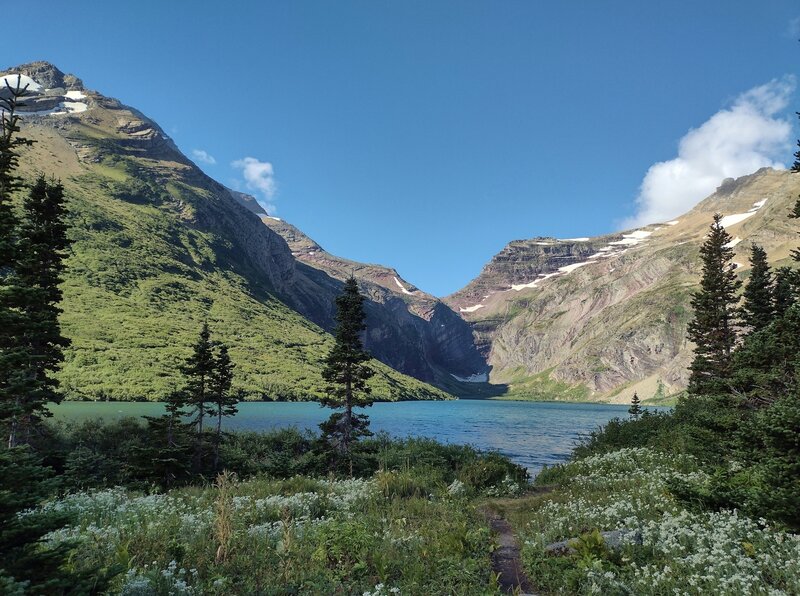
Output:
x=620 y=432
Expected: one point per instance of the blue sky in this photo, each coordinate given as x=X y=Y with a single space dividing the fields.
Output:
x=426 y=134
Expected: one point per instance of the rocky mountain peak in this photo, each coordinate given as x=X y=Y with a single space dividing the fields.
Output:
x=47 y=75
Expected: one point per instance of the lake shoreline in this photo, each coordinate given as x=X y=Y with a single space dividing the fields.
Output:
x=532 y=434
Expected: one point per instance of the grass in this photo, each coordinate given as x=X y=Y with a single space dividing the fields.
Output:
x=523 y=386
x=301 y=535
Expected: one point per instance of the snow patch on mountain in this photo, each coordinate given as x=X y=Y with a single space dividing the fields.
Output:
x=71 y=103
x=735 y=218
x=401 y=286
x=21 y=80
x=733 y=242
x=573 y=267
x=471 y=308
x=633 y=238
x=613 y=249
x=474 y=378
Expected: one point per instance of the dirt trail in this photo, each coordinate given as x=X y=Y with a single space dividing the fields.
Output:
x=506 y=559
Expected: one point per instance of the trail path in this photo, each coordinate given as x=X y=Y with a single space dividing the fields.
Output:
x=506 y=559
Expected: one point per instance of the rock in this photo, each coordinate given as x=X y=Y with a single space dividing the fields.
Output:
x=613 y=539
x=47 y=75
x=409 y=330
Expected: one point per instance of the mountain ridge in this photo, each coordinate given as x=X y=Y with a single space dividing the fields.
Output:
x=158 y=247
x=599 y=318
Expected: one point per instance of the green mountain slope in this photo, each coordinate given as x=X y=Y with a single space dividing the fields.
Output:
x=158 y=248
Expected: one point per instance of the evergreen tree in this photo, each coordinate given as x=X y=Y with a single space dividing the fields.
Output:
x=758 y=309
x=42 y=242
x=28 y=565
x=10 y=143
x=785 y=289
x=224 y=401
x=29 y=345
x=713 y=327
x=796 y=211
x=636 y=407
x=165 y=458
x=12 y=352
x=767 y=364
x=347 y=372
x=196 y=395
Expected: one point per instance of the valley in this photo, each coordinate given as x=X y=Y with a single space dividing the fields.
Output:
x=160 y=243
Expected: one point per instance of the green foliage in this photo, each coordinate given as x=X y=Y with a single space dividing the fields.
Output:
x=767 y=365
x=346 y=370
x=776 y=461
x=38 y=349
x=647 y=430
x=786 y=289
x=758 y=308
x=33 y=248
x=636 y=406
x=143 y=265
x=29 y=563
x=713 y=327
x=224 y=401
x=541 y=387
x=296 y=536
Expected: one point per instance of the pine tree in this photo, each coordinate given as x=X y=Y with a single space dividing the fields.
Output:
x=12 y=352
x=636 y=407
x=222 y=398
x=785 y=292
x=10 y=143
x=796 y=211
x=165 y=459
x=196 y=395
x=758 y=309
x=347 y=372
x=42 y=244
x=28 y=564
x=713 y=326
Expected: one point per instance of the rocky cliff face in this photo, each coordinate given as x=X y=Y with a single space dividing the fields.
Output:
x=603 y=317
x=406 y=328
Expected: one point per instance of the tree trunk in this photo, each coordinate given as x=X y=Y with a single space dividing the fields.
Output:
x=12 y=435
x=348 y=423
x=219 y=436
x=201 y=412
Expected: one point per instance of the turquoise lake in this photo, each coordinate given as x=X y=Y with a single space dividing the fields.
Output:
x=530 y=433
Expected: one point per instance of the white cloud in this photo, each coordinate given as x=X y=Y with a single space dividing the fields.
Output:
x=794 y=28
x=259 y=176
x=738 y=140
x=203 y=157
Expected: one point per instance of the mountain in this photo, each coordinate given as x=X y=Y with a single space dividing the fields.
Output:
x=159 y=247
x=599 y=318
x=408 y=329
